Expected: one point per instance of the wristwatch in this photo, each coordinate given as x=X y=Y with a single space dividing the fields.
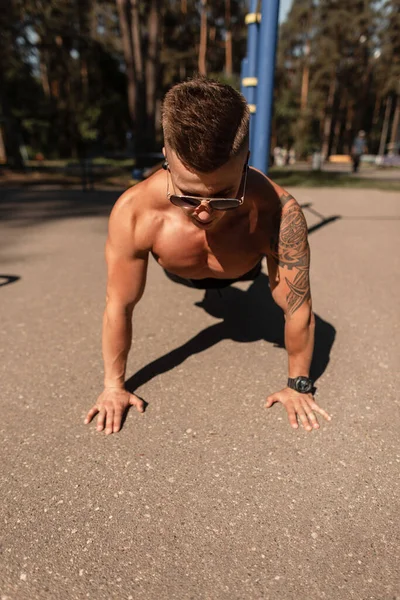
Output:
x=303 y=385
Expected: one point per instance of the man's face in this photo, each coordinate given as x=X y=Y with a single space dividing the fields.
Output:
x=225 y=182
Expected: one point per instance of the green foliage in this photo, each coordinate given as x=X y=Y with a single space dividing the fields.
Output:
x=63 y=72
x=87 y=121
x=353 y=63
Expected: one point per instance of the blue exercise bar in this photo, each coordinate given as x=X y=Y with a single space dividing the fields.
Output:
x=244 y=73
x=249 y=82
x=259 y=77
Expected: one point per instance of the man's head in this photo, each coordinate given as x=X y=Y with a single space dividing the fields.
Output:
x=205 y=124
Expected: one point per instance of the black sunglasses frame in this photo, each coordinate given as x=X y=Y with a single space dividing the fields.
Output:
x=183 y=201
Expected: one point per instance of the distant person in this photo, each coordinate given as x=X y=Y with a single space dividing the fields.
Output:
x=292 y=156
x=358 y=149
x=208 y=219
x=278 y=156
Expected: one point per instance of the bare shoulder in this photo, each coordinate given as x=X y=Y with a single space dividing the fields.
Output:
x=279 y=212
x=289 y=235
x=269 y=195
x=135 y=217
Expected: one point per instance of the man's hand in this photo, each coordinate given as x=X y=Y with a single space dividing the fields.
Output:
x=111 y=406
x=299 y=407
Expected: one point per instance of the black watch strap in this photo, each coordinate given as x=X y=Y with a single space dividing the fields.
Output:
x=302 y=384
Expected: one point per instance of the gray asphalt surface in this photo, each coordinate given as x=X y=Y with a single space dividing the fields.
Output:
x=208 y=495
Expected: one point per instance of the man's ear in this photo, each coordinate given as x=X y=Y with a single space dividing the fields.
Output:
x=165 y=163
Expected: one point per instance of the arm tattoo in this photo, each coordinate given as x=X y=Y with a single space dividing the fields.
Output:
x=292 y=251
x=285 y=198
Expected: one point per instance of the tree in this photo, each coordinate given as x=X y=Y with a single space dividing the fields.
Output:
x=326 y=57
x=203 y=39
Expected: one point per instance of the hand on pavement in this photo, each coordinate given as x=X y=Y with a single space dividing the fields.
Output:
x=300 y=407
x=111 y=406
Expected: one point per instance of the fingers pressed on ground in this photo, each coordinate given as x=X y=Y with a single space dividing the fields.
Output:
x=138 y=403
x=270 y=401
x=101 y=419
x=319 y=410
x=303 y=418
x=92 y=412
x=311 y=416
x=117 y=420
x=292 y=418
x=109 y=421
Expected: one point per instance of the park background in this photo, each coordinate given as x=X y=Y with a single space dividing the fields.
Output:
x=86 y=79
x=207 y=495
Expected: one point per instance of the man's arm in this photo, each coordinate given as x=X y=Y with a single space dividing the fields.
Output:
x=126 y=281
x=127 y=267
x=288 y=267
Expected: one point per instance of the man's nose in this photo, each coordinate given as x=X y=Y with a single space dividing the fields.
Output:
x=205 y=205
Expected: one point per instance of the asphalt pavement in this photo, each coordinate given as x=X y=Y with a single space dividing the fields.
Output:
x=207 y=495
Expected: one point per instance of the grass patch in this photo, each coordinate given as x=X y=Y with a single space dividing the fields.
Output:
x=330 y=179
x=119 y=173
x=63 y=163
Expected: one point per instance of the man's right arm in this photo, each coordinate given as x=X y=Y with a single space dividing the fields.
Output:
x=126 y=280
x=127 y=258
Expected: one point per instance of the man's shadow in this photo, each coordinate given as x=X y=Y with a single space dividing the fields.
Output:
x=248 y=316
x=7 y=279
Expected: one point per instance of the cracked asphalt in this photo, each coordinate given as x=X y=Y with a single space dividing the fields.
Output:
x=207 y=495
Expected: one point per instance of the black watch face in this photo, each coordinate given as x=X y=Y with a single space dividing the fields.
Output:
x=304 y=385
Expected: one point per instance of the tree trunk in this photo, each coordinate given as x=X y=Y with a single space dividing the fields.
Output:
x=339 y=125
x=377 y=110
x=122 y=6
x=10 y=129
x=394 y=135
x=137 y=42
x=44 y=74
x=141 y=119
x=3 y=156
x=84 y=79
x=305 y=78
x=84 y=12
x=182 y=62
x=306 y=67
x=228 y=40
x=348 y=141
x=152 y=68
x=328 y=117
x=203 y=39
x=385 y=128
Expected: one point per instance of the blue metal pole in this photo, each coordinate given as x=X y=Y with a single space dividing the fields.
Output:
x=265 y=90
x=249 y=79
x=244 y=73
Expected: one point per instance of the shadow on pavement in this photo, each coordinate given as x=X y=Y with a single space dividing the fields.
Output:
x=6 y=279
x=247 y=316
x=323 y=223
x=34 y=206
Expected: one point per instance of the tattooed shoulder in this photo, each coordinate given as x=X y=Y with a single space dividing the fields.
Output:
x=289 y=245
x=285 y=198
x=291 y=251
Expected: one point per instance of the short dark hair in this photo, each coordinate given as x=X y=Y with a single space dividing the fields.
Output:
x=205 y=122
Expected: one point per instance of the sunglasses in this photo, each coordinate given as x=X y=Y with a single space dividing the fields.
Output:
x=215 y=203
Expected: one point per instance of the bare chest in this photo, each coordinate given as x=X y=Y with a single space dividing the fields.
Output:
x=192 y=253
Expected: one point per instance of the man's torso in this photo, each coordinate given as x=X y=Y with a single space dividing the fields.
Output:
x=241 y=239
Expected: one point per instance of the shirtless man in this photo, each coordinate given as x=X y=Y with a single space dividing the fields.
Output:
x=208 y=220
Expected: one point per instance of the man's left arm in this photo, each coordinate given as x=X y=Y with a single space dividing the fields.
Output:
x=288 y=268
